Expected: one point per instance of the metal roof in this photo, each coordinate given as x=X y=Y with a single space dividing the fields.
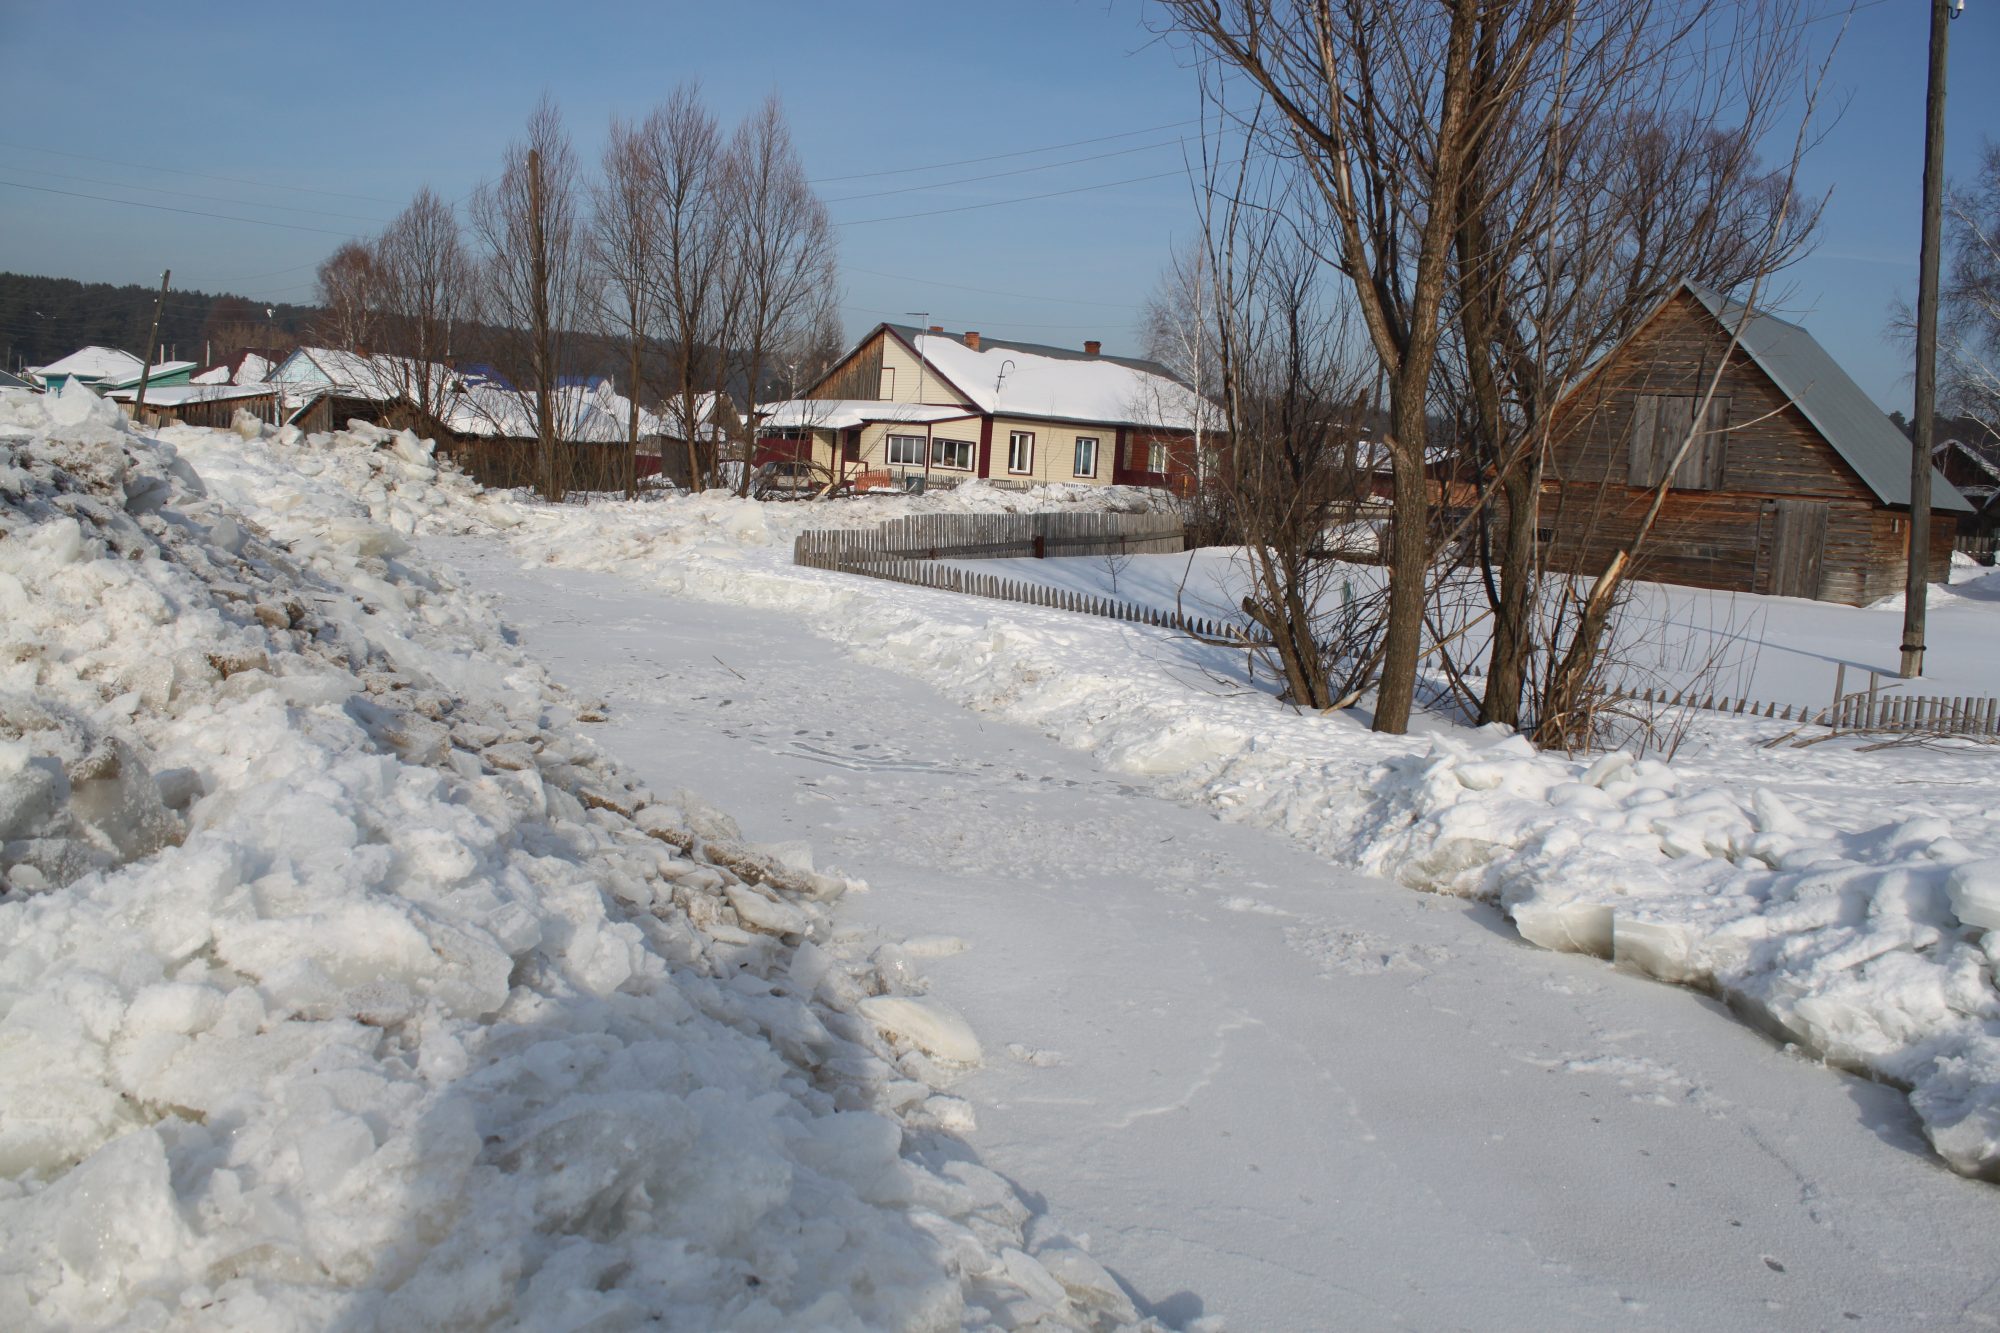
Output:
x=1831 y=401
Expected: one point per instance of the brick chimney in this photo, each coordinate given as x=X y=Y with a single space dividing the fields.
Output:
x=937 y=328
x=1092 y=348
x=972 y=341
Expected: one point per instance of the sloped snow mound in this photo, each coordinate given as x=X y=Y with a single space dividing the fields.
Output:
x=343 y=983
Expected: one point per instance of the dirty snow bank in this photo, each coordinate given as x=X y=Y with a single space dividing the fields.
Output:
x=1871 y=944
x=342 y=981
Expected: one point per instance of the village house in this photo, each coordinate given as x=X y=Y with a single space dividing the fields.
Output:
x=103 y=369
x=951 y=407
x=1969 y=458
x=1796 y=484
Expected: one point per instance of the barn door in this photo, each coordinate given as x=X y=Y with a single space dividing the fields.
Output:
x=1798 y=544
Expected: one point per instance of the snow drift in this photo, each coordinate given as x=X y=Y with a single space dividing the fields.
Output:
x=343 y=982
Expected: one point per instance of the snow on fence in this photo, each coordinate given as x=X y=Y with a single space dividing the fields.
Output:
x=989 y=537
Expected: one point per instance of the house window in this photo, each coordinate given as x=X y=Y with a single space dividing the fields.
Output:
x=952 y=453
x=1021 y=451
x=907 y=450
x=1086 y=456
x=1156 y=457
x=1661 y=423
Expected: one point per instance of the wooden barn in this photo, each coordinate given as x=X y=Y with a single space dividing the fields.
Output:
x=1796 y=483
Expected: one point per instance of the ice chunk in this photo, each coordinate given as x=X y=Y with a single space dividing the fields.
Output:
x=1974 y=888
x=929 y=1025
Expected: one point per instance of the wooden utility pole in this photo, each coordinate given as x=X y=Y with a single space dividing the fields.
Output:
x=1916 y=583
x=152 y=341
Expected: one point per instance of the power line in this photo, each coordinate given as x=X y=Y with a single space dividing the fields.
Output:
x=988 y=291
x=168 y=208
x=188 y=194
x=995 y=157
x=1017 y=171
x=181 y=171
x=996 y=203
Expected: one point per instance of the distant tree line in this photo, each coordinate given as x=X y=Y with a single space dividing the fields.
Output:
x=44 y=319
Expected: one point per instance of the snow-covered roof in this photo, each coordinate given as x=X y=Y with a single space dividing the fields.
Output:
x=1030 y=379
x=93 y=363
x=842 y=413
x=176 y=395
x=496 y=413
x=377 y=376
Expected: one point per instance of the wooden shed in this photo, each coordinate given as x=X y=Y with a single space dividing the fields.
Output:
x=1796 y=483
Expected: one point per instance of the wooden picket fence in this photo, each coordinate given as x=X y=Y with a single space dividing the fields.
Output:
x=989 y=537
x=903 y=551
x=970 y=583
x=1872 y=711
x=1982 y=548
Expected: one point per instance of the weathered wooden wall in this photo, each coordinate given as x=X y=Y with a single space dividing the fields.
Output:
x=1721 y=538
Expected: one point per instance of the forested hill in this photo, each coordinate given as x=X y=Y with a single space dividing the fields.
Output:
x=42 y=319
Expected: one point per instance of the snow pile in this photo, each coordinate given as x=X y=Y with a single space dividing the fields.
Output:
x=1874 y=949
x=343 y=982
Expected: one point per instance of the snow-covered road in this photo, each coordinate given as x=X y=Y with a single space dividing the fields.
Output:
x=1265 y=1088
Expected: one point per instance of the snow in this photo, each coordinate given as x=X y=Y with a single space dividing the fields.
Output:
x=842 y=413
x=1003 y=380
x=96 y=363
x=343 y=980
x=1828 y=929
x=344 y=973
x=1268 y=1090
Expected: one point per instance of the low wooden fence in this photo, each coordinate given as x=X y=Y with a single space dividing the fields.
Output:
x=989 y=537
x=1873 y=712
x=971 y=583
x=1983 y=549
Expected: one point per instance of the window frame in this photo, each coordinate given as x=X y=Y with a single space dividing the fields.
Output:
x=889 y=450
x=938 y=446
x=1659 y=422
x=1014 y=442
x=1156 y=453
x=1095 y=442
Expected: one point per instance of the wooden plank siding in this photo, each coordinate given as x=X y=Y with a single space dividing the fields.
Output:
x=1762 y=454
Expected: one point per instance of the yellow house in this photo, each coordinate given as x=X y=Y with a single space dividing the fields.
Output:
x=951 y=407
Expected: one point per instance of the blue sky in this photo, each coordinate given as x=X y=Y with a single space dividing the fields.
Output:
x=326 y=118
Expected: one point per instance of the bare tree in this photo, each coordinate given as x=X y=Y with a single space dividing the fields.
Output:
x=625 y=246
x=1180 y=325
x=1627 y=164
x=783 y=249
x=426 y=285
x=349 y=295
x=683 y=147
x=1374 y=105
x=1971 y=297
x=536 y=282
x=1293 y=407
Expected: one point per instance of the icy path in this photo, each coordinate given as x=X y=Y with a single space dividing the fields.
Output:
x=1267 y=1089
